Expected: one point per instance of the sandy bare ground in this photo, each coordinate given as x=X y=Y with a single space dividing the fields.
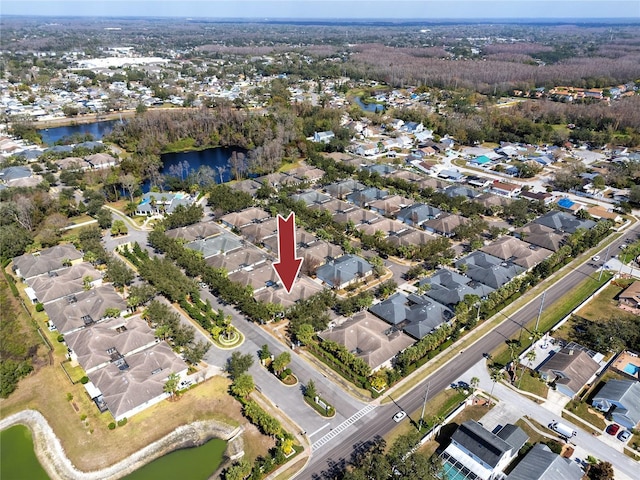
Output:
x=54 y=460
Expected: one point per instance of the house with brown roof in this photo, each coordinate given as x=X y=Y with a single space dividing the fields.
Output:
x=505 y=189
x=521 y=253
x=600 y=212
x=197 y=231
x=133 y=383
x=308 y=173
x=247 y=186
x=79 y=310
x=488 y=200
x=48 y=260
x=303 y=288
x=444 y=224
x=357 y=215
x=370 y=339
x=390 y=205
x=333 y=206
x=630 y=296
x=409 y=237
x=98 y=345
x=99 y=161
x=257 y=232
x=237 y=260
x=258 y=278
x=51 y=286
x=385 y=225
x=569 y=369
x=244 y=217
x=543 y=197
x=540 y=235
x=318 y=254
x=304 y=238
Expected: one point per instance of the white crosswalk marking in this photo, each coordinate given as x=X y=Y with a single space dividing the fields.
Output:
x=342 y=427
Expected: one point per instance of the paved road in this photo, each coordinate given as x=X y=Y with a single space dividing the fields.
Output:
x=335 y=454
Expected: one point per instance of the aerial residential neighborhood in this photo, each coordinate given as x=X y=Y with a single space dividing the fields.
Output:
x=324 y=250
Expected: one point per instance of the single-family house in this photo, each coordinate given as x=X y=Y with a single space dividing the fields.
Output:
x=367 y=149
x=412 y=127
x=197 y=231
x=630 y=296
x=540 y=463
x=451 y=175
x=211 y=246
x=385 y=225
x=258 y=232
x=10 y=175
x=505 y=189
x=82 y=309
x=543 y=197
x=390 y=205
x=488 y=200
x=342 y=189
x=99 y=161
x=521 y=253
x=51 y=286
x=370 y=339
x=476 y=451
x=344 y=271
x=133 y=383
x=259 y=278
x=541 y=235
x=98 y=345
x=409 y=237
x=417 y=315
x=244 y=217
x=381 y=169
x=357 y=216
x=601 y=213
x=564 y=222
x=310 y=197
x=323 y=137
x=248 y=186
x=245 y=258
x=48 y=260
x=621 y=399
x=157 y=203
x=416 y=215
x=476 y=181
x=569 y=369
x=444 y=224
x=480 y=161
x=318 y=254
x=450 y=287
x=308 y=173
x=302 y=289
x=461 y=191
x=364 y=197
x=488 y=269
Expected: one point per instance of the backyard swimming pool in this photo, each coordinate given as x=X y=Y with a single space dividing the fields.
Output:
x=631 y=369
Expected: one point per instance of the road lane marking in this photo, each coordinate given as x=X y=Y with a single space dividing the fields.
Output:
x=342 y=427
x=321 y=428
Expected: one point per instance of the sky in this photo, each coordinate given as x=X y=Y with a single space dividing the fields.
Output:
x=331 y=9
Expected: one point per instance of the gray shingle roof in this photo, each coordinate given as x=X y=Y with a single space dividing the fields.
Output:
x=564 y=222
x=343 y=270
x=418 y=213
x=625 y=394
x=481 y=442
x=215 y=245
x=572 y=367
x=449 y=287
x=488 y=269
x=47 y=260
x=540 y=463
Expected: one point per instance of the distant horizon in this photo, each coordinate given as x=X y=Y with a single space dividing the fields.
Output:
x=521 y=11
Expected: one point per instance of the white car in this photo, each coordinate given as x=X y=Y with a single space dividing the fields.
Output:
x=596 y=258
x=399 y=416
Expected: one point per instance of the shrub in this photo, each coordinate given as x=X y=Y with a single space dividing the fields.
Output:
x=83 y=417
x=39 y=307
x=60 y=338
x=84 y=380
x=69 y=397
x=123 y=422
x=112 y=426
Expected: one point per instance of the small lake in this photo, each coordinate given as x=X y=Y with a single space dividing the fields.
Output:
x=96 y=129
x=369 y=107
x=196 y=463
x=19 y=462
x=17 y=458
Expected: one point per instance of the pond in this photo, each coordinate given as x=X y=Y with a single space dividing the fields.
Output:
x=17 y=458
x=196 y=463
x=369 y=107
x=96 y=129
x=181 y=164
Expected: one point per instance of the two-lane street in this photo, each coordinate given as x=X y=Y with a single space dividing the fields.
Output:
x=380 y=423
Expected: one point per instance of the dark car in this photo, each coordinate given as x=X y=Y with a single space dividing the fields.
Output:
x=613 y=429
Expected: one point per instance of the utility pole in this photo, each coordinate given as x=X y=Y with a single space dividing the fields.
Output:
x=606 y=255
x=424 y=405
x=540 y=311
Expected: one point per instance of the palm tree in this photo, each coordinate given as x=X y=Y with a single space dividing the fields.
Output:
x=531 y=356
x=171 y=385
x=474 y=383
x=496 y=375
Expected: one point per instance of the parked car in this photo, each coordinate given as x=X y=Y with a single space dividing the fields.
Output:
x=624 y=435
x=399 y=416
x=613 y=429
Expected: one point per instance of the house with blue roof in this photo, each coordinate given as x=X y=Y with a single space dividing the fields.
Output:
x=362 y=198
x=480 y=161
x=488 y=269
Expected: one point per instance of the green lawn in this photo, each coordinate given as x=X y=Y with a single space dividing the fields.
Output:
x=532 y=384
x=586 y=412
x=553 y=314
x=604 y=306
x=534 y=437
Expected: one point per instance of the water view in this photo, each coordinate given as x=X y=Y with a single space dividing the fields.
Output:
x=369 y=107
x=196 y=463
x=17 y=458
x=95 y=129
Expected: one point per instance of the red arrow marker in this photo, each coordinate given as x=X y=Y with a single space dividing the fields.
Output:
x=288 y=266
